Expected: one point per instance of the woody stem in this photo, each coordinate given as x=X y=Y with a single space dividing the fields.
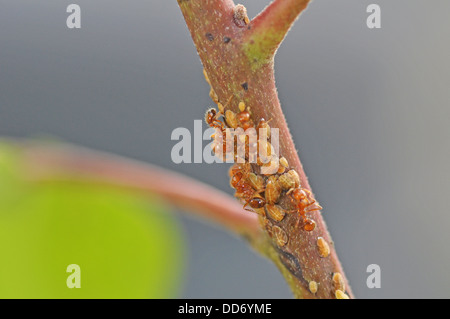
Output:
x=238 y=59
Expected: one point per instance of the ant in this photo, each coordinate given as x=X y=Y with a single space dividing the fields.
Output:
x=212 y=116
x=304 y=202
x=212 y=119
x=246 y=186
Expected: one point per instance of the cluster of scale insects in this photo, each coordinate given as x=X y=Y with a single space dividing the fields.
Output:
x=257 y=193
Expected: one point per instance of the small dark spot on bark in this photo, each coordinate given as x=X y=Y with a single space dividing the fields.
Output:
x=245 y=86
x=209 y=36
x=226 y=39
x=292 y=264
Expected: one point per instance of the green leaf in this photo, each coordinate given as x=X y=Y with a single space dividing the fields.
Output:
x=126 y=246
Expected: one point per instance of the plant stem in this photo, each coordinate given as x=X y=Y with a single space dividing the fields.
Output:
x=64 y=162
x=238 y=59
x=270 y=27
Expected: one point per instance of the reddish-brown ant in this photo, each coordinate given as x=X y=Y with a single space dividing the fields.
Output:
x=243 y=181
x=304 y=204
x=211 y=118
x=251 y=196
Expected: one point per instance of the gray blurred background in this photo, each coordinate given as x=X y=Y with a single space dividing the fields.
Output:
x=368 y=109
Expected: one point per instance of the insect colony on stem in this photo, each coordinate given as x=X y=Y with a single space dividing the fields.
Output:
x=261 y=188
x=258 y=188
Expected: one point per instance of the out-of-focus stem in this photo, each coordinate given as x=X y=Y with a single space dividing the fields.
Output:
x=64 y=162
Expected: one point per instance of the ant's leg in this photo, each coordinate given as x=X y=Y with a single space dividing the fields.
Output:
x=314 y=209
x=317 y=205
x=222 y=107
x=302 y=216
x=290 y=190
x=259 y=191
x=292 y=199
x=218 y=123
x=298 y=220
x=309 y=194
x=246 y=204
x=229 y=100
x=313 y=201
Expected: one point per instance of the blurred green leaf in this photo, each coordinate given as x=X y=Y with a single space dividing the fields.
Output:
x=126 y=246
